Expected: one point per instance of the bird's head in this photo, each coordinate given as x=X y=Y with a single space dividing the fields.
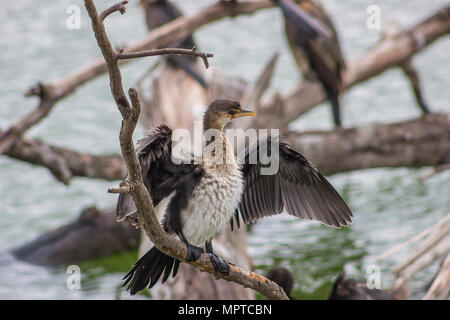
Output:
x=221 y=112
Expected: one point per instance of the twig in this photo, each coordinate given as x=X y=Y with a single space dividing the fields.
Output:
x=413 y=76
x=125 y=189
x=158 y=52
x=117 y=7
x=146 y=210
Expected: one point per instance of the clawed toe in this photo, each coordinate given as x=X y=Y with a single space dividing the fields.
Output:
x=193 y=253
x=219 y=264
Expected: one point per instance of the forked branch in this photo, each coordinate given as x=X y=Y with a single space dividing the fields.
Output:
x=146 y=211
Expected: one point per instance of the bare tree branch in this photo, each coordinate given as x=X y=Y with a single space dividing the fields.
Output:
x=65 y=164
x=158 y=52
x=434 y=246
x=47 y=100
x=117 y=7
x=414 y=143
x=440 y=287
x=146 y=210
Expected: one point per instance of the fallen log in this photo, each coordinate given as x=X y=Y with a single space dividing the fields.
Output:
x=415 y=143
x=93 y=235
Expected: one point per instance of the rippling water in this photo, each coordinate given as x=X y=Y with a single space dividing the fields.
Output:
x=390 y=204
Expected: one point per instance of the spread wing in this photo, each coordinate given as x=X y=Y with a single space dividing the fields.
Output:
x=160 y=174
x=296 y=186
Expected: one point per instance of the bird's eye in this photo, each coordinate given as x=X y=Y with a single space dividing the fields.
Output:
x=232 y=112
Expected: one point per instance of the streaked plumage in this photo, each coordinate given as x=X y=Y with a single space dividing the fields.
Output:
x=205 y=196
x=315 y=46
x=159 y=12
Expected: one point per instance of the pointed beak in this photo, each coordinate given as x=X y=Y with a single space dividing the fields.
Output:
x=244 y=113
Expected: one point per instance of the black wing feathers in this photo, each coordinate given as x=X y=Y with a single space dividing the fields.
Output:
x=161 y=176
x=297 y=186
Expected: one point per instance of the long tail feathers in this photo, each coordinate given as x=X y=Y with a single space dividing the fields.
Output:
x=336 y=110
x=148 y=270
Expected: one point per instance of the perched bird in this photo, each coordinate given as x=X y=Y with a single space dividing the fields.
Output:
x=314 y=43
x=159 y=12
x=203 y=196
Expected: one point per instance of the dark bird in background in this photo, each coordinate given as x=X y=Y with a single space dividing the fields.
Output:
x=159 y=12
x=203 y=196
x=283 y=278
x=314 y=43
x=350 y=289
x=344 y=288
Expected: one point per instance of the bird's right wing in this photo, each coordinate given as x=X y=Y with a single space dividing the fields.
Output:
x=296 y=186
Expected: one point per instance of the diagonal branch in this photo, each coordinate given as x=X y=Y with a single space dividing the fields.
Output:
x=65 y=164
x=146 y=210
x=47 y=101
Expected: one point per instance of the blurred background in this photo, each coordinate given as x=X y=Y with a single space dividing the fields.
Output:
x=390 y=205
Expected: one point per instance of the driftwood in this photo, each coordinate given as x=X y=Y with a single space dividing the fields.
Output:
x=93 y=235
x=414 y=143
x=434 y=246
x=64 y=163
x=440 y=288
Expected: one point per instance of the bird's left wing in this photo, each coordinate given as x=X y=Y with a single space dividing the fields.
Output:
x=296 y=186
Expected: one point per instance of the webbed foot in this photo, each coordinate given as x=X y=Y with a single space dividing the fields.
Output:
x=219 y=264
x=193 y=252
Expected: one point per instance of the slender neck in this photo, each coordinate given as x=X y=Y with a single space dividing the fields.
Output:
x=217 y=151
